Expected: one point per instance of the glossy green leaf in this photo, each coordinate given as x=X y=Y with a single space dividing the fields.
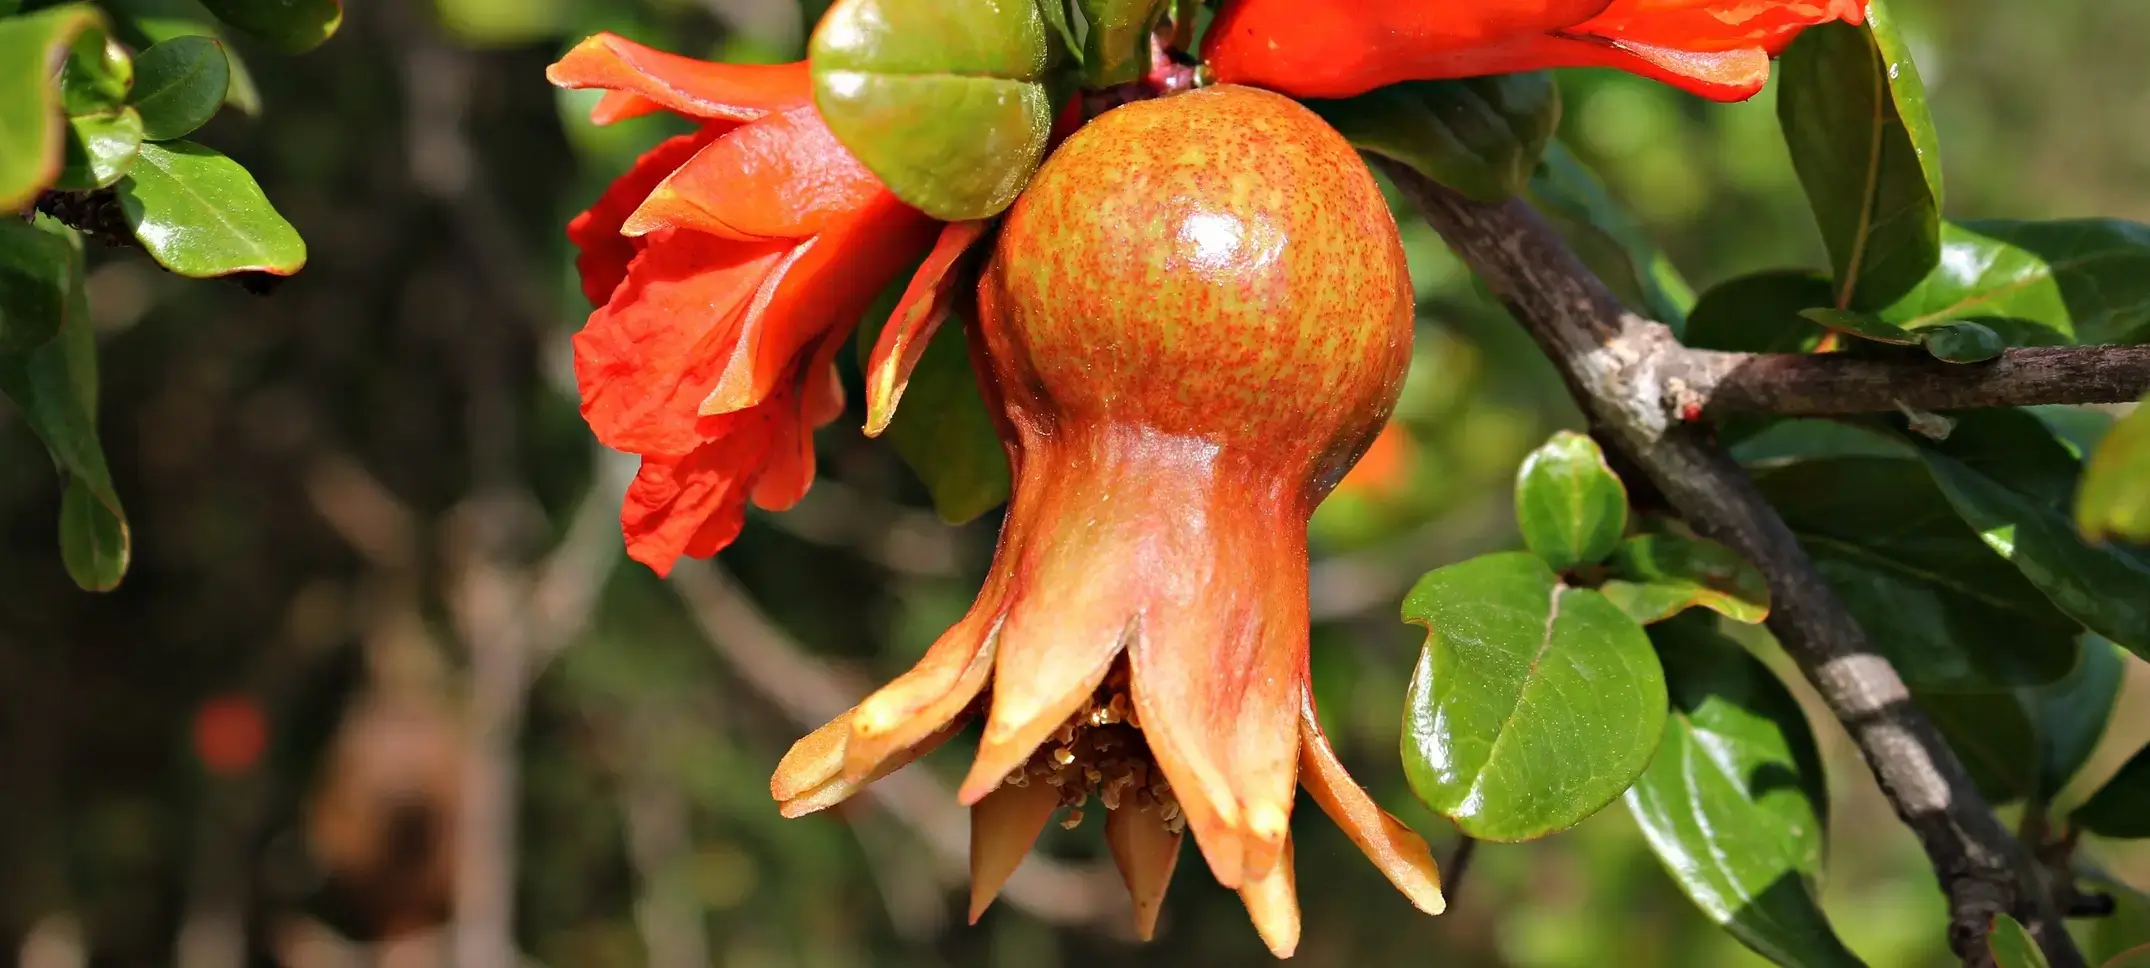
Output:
x=1570 y=506
x=145 y=23
x=37 y=270
x=1735 y=802
x=101 y=149
x=1948 y=613
x=944 y=100
x=1481 y=136
x=943 y=430
x=2115 y=498
x=2070 y=716
x=2038 y=283
x=1964 y=342
x=291 y=26
x=33 y=131
x=1565 y=185
x=1064 y=26
x=1657 y=576
x=1854 y=114
x=2012 y=945
x=1116 y=39
x=54 y=388
x=1761 y=313
x=97 y=75
x=1863 y=325
x=2120 y=808
x=200 y=214
x=2104 y=587
x=179 y=84
x=1534 y=704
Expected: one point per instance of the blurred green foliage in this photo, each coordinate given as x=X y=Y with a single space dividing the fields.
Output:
x=310 y=474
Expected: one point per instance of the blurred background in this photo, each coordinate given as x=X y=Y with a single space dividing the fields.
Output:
x=377 y=598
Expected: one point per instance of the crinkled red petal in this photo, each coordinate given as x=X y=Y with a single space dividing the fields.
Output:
x=604 y=253
x=695 y=505
x=650 y=354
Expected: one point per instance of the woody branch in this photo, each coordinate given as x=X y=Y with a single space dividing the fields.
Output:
x=1622 y=368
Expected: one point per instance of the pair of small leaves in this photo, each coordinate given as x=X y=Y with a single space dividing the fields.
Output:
x=1735 y=802
x=53 y=384
x=1955 y=342
x=1573 y=512
x=1481 y=136
x=2114 y=502
x=147 y=23
x=177 y=87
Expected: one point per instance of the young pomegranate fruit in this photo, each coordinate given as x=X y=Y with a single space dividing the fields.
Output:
x=1195 y=320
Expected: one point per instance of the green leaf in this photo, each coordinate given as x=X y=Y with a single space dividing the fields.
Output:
x=1534 y=704
x=2115 y=498
x=1735 y=802
x=1481 y=136
x=2120 y=808
x=101 y=149
x=2038 y=283
x=1945 y=611
x=1056 y=16
x=1994 y=738
x=943 y=430
x=1761 y=313
x=1570 y=506
x=2070 y=716
x=2029 y=742
x=2012 y=945
x=1964 y=342
x=291 y=26
x=2137 y=958
x=94 y=543
x=944 y=100
x=33 y=131
x=1566 y=185
x=37 y=270
x=1116 y=41
x=1854 y=115
x=145 y=23
x=200 y=214
x=54 y=387
x=179 y=84
x=1657 y=576
x=96 y=76
x=2105 y=588
x=1863 y=325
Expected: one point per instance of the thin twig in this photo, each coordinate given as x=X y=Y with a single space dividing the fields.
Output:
x=1459 y=864
x=1716 y=384
x=1616 y=363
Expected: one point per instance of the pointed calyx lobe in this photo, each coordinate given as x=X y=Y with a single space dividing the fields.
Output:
x=1194 y=321
x=1716 y=48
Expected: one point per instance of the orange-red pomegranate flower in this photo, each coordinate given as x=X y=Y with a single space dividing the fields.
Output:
x=1719 y=49
x=728 y=267
x=1195 y=319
